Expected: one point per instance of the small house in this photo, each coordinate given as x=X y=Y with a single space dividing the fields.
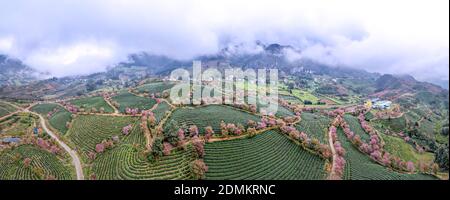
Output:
x=382 y=105
x=10 y=140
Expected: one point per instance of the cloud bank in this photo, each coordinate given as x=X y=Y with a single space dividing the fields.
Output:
x=84 y=36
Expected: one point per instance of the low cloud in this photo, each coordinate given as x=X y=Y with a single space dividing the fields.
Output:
x=75 y=59
x=73 y=37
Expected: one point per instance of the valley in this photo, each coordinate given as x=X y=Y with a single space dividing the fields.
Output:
x=121 y=124
x=136 y=132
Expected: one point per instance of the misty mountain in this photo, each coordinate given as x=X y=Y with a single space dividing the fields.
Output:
x=14 y=72
x=341 y=80
x=408 y=91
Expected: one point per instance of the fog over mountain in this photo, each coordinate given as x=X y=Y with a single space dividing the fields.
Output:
x=82 y=37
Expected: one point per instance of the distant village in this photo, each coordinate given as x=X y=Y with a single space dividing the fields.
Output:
x=377 y=103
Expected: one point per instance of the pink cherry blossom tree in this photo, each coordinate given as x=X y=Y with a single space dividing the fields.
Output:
x=100 y=148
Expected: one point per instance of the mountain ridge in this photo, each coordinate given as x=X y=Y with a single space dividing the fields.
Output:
x=142 y=65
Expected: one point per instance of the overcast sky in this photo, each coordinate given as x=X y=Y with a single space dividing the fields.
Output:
x=84 y=36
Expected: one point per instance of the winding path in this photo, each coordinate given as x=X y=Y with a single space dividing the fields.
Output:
x=112 y=106
x=11 y=113
x=333 y=152
x=75 y=159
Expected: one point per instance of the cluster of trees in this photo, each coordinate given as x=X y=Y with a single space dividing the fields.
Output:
x=193 y=130
x=199 y=147
x=231 y=129
x=291 y=119
x=333 y=113
x=297 y=109
x=339 y=161
x=251 y=131
x=126 y=130
x=157 y=96
x=407 y=139
x=356 y=110
x=167 y=148
x=177 y=138
x=181 y=138
x=375 y=147
x=173 y=134
x=157 y=150
x=46 y=144
x=161 y=147
x=71 y=108
x=199 y=169
x=132 y=111
x=252 y=124
x=209 y=132
x=104 y=145
x=270 y=121
x=92 y=110
x=267 y=121
x=164 y=94
x=148 y=117
x=243 y=106
x=50 y=114
x=313 y=144
x=339 y=157
x=441 y=155
x=107 y=96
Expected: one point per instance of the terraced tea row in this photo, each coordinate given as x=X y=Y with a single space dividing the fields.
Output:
x=126 y=163
x=267 y=156
x=43 y=165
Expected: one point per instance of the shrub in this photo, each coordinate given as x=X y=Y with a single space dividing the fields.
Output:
x=99 y=148
x=198 y=147
x=199 y=169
